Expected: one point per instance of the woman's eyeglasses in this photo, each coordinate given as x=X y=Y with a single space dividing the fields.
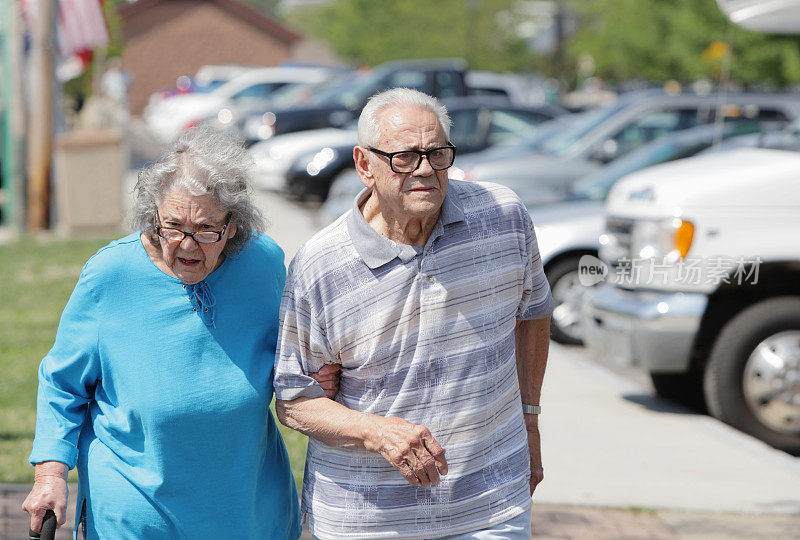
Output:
x=201 y=237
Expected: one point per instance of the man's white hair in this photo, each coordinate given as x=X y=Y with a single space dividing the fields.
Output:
x=369 y=128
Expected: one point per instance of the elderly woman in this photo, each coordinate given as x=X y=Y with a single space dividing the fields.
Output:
x=159 y=381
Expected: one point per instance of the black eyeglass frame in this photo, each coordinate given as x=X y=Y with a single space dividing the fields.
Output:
x=219 y=234
x=420 y=155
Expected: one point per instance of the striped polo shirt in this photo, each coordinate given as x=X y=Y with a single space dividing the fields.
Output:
x=426 y=335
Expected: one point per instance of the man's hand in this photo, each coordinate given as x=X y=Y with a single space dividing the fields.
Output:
x=410 y=448
x=328 y=378
x=535 y=449
x=49 y=492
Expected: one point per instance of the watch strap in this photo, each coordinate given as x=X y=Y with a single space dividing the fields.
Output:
x=531 y=409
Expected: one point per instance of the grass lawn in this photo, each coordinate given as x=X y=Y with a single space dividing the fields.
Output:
x=36 y=279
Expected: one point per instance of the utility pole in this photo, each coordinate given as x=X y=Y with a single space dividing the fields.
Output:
x=13 y=124
x=558 y=55
x=40 y=140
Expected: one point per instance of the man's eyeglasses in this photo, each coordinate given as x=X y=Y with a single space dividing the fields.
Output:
x=201 y=237
x=408 y=161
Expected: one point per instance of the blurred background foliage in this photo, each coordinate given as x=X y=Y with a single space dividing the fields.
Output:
x=658 y=40
x=367 y=32
x=648 y=40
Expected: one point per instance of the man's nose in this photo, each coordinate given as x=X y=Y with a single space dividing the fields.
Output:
x=424 y=168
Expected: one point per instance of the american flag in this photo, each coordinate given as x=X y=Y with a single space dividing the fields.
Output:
x=80 y=25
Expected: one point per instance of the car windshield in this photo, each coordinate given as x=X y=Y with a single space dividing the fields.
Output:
x=546 y=131
x=349 y=93
x=206 y=86
x=295 y=95
x=597 y=185
x=565 y=140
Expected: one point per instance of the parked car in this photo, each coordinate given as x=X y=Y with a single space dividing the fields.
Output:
x=608 y=133
x=168 y=118
x=340 y=102
x=206 y=79
x=518 y=89
x=210 y=77
x=478 y=122
x=705 y=288
x=275 y=156
x=569 y=229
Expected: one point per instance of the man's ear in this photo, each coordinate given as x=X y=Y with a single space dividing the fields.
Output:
x=363 y=166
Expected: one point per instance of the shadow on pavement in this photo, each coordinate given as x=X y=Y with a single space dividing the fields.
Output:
x=657 y=404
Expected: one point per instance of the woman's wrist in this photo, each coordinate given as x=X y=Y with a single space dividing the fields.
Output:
x=50 y=469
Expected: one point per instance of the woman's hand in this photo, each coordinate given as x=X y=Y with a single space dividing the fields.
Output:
x=328 y=378
x=49 y=493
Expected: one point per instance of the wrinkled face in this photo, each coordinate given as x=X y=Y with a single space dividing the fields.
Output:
x=420 y=193
x=188 y=260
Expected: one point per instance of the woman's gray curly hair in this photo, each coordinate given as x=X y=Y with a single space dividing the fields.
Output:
x=203 y=162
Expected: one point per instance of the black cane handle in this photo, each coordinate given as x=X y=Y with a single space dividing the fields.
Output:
x=48 y=527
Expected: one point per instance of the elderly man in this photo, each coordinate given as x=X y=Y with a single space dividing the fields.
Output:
x=431 y=296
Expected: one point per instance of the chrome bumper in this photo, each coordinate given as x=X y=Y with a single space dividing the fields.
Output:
x=652 y=330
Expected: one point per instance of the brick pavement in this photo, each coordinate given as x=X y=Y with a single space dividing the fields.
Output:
x=550 y=522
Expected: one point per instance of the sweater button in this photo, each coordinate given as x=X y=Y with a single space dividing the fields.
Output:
x=194 y=309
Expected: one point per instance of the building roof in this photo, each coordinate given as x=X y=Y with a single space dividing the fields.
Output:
x=243 y=11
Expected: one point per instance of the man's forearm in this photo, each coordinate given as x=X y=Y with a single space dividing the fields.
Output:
x=532 y=338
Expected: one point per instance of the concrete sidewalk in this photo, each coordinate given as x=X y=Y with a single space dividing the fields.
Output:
x=608 y=442
x=549 y=522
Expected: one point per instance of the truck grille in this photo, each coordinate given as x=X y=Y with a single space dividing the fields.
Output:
x=618 y=231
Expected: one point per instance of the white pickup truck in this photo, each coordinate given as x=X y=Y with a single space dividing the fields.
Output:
x=703 y=287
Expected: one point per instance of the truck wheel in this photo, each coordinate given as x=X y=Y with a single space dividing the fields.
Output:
x=683 y=388
x=752 y=381
x=566 y=325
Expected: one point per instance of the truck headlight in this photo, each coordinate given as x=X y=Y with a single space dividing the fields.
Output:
x=669 y=239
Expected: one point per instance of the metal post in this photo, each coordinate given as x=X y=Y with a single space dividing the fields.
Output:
x=40 y=142
x=722 y=90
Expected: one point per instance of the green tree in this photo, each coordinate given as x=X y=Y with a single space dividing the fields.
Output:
x=368 y=32
x=660 y=40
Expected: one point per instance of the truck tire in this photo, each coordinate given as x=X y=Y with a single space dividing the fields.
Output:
x=566 y=326
x=752 y=380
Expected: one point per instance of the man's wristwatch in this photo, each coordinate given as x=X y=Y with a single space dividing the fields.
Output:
x=531 y=409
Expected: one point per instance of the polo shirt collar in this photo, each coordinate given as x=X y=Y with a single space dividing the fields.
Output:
x=375 y=249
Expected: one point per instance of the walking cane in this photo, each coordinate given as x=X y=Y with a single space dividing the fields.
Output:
x=48 y=528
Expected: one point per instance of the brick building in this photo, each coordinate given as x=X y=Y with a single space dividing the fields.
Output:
x=168 y=38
